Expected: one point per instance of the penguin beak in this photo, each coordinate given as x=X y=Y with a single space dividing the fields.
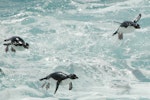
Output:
x=137 y=26
x=76 y=77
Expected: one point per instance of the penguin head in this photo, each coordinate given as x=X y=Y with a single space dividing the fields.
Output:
x=137 y=26
x=26 y=45
x=73 y=76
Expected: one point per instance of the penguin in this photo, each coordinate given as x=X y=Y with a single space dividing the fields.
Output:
x=60 y=78
x=1 y=72
x=16 y=43
x=127 y=27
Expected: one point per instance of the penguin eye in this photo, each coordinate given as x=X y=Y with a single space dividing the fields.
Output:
x=137 y=25
x=27 y=44
x=74 y=76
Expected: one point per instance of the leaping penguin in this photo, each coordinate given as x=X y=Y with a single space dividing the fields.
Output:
x=16 y=43
x=60 y=78
x=127 y=27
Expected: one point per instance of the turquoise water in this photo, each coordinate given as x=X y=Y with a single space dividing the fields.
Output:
x=75 y=36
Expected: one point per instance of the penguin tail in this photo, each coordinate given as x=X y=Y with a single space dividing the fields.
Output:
x=6 y=40
x=42 y=79
x=7 y=44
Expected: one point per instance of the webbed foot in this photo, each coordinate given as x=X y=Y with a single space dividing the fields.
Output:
x=120 y=36
x=47 y=86
x=6 y=49
x=13 y=50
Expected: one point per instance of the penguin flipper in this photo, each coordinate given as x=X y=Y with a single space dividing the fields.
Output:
x=70 y=86
x=137 y=18
x=57 y=85
x=115 y=33
x=120 y=36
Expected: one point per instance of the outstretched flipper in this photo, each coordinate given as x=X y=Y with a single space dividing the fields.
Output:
x=120 y=36
x=57 y=85
x=137 y=19
x=70 y=86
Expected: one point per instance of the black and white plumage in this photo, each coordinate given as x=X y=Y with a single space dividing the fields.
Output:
x=127 y=27
x=60 y=78
x=16 y=43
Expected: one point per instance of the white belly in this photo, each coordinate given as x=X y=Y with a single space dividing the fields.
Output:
x=126 y=30
x=19 y=48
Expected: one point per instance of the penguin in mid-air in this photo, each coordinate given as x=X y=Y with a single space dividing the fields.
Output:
x=60 y=78
x=127 y=27
x=16 y=43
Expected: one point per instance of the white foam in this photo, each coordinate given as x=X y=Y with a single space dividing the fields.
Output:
x=77 y=40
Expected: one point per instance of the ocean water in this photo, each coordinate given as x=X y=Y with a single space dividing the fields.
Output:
x=75 y=36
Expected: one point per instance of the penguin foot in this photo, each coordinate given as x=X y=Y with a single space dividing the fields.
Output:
x=6 y=49
x=120 y=36
x=70 y=86
x=47 y=86
x=13 y=50
x=43 y=85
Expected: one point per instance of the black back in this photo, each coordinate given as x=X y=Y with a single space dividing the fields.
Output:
x=16 y=40
x=129 y=23
x=59 y=76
